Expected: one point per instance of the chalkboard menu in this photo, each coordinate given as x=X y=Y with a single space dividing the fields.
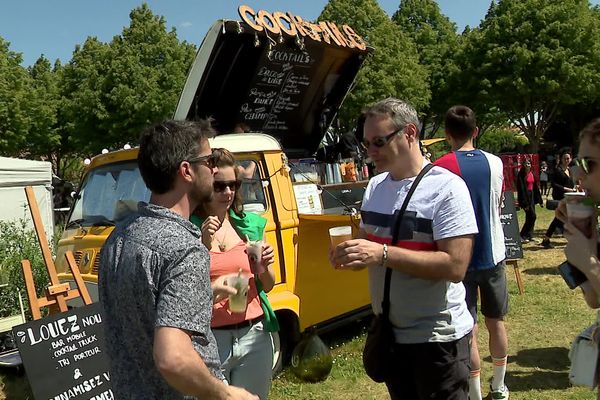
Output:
x=64 y=355
x=282 y=86
x=278 y=88
x=510 y=226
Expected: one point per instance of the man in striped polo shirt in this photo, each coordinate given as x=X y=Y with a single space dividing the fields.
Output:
x=428 y=312
x=483 y=174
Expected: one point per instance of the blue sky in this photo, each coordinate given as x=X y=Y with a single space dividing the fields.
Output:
x=53 y=28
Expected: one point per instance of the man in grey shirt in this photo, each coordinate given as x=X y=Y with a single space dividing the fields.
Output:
x=154 y=283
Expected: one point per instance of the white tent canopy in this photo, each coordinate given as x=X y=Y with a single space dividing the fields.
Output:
x=15 y=175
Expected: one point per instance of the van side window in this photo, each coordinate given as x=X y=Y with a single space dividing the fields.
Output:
x=252 y=188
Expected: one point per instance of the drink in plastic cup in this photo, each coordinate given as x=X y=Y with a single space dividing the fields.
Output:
x=339 y=234
x=239 y=301
x=254 y=250
x=580 y=213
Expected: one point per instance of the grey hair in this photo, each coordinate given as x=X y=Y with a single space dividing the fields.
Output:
x=400 y=112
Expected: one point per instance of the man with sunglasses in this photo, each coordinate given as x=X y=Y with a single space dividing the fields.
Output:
x=483 y=174
x=154 y=284
x=428 y=312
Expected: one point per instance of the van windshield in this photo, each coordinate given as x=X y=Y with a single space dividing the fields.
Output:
x=108 y=194
x=111 y=192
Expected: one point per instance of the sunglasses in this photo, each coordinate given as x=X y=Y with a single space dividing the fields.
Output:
x=220 y=186
x=586 y=164
x=381 y=141
x=208 y=161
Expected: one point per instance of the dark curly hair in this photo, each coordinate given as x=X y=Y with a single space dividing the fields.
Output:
x=591 y=131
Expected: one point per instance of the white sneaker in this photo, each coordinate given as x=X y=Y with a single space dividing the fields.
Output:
x=500 y=394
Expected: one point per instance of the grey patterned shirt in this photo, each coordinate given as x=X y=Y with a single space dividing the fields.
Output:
x=154 y=272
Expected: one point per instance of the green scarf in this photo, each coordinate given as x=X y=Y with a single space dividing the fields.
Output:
x=252 y=226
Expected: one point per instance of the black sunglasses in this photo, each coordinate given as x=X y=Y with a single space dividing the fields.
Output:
x=220 y=186
x=381 y=141
x=207 y=161
x=586 y=164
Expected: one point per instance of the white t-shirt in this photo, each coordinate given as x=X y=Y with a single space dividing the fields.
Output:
x=421 y=310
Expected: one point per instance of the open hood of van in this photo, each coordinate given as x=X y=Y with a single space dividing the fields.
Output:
x=288 y=87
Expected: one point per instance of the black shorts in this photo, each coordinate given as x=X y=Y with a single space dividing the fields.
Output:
x=433 y=370
x=492 y=288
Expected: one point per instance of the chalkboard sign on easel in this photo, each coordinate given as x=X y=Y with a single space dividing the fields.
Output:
x=510 y=226
x=64 y=355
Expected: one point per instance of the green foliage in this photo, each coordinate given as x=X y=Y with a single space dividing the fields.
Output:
x=437 y=42
x=18 y=242
x=530 y=57
x=497 y=140
x=44 y=136
x=15 y=96
x=393 y=70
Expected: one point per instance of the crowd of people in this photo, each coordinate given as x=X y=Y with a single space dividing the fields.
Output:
x=166 y=271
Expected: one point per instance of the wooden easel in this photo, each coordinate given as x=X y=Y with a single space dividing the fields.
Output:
x=515 y=265
x=57 y=293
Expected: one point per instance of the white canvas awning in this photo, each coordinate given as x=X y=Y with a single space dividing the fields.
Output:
x=15 y=175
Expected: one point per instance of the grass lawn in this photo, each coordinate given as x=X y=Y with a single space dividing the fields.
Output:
x=541 y=324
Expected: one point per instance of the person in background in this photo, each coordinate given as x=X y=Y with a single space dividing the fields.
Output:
x=429 y=261
x=154 y=284
x=528 y=195
x=562 y=183
x=582 y=251
x=486 y=275
x=245 y=347
x=544 y=178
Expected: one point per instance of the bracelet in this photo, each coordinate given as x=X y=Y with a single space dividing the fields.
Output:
x=384 y=256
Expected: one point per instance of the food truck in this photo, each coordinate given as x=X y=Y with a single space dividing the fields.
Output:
x=283 y=79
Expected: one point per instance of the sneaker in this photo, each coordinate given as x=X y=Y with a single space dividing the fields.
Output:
x=500 y=394
x=546 y=244
x=524 y=240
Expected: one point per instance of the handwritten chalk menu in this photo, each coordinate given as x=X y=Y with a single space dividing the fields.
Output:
x=510 y=226
x=277 y=89
x=64 y=355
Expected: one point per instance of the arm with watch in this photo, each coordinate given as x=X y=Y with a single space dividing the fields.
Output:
x=449 y=262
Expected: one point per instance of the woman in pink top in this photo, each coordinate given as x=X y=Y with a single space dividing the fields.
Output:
x=245 y=347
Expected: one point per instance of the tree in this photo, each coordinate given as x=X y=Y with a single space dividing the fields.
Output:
x=44 y=137
x=15 y=85
x=112 y=91
x=392 y=70
x=437 y=42
x=529 y=57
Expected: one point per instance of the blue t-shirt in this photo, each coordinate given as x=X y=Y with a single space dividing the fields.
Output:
x=483 y=174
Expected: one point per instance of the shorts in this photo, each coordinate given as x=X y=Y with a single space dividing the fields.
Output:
x=492 y=288
x=432 y=370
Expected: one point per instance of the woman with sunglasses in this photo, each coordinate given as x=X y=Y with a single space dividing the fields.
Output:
x=528 y=195
x=582 y=251
x=243 y=339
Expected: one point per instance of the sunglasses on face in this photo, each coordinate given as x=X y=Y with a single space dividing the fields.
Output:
x=381 y=141
x=207 y=161
x=220 y=186
x=586 y=164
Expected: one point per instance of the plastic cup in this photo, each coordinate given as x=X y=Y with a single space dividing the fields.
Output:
x=239 y=301
x=339 y=234
x=254 y=250
x=579 y=213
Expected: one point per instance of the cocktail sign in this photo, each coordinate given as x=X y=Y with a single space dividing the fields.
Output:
x=279 y=23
